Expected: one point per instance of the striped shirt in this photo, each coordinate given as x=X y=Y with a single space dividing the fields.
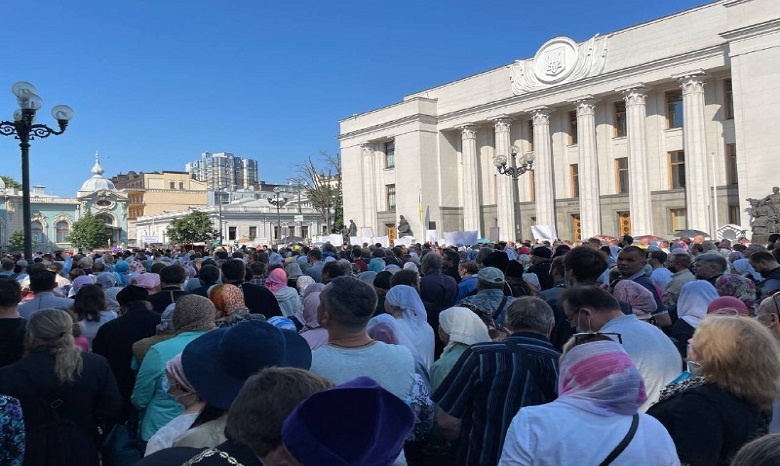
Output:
x=488 y=386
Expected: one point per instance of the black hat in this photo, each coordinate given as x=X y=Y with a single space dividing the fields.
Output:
x=131 y=293
x=498 y=259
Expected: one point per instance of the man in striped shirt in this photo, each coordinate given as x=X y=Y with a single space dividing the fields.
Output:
x=492 y=381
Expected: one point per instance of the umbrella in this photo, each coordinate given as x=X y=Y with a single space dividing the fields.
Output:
x=650 y=237
x=605 y=238
x=483 y=241
x=292 y=239
x=691 y=233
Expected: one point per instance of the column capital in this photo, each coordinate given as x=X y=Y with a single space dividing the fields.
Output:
x=468 y=131
x=635 y=95
x=691 y=82
x=502 y=123
x=585 y=105
x=540 y=115
x=367 y=147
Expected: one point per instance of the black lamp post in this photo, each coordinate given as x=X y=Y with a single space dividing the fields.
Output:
x=25 y=131
x=515 y=171
x=277 y=201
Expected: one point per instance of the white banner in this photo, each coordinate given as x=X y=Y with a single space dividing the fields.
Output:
x=431 y=236
x=461 y=238
x=383 y=240
x=149 y=239
x=405 y=241
x=366 y=232
x=544 y=232
x=359 y=240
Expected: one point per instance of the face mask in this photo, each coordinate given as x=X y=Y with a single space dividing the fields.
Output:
x=166 y=386
x=693 y=367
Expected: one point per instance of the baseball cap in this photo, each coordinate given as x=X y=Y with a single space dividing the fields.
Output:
x=490 y=275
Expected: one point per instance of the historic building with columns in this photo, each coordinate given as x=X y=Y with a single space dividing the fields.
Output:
x=653 y=129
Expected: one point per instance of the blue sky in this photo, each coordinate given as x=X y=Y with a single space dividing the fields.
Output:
x=155 y=83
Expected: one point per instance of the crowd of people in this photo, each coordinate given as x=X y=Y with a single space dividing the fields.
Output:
x=604 y=352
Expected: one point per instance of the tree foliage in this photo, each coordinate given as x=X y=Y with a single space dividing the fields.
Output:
x=89 y=232
x=10 y=182
x=322 y=185
x=16 y=241
x=194 y=227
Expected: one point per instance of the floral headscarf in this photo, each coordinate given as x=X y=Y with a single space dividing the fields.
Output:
x=303 y=282
x=640 y=298
x=227 y=299
x=738 y=287
x=600 y=378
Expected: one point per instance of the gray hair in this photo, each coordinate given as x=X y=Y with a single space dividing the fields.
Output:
x=432 y=261
x=714 y=258
x=531 y=313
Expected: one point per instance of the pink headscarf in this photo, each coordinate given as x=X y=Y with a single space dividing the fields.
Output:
x=600 y=378
x=314 y=335
x=149 y=281
x=175 y=371
x=276 y=280
x=82 y=280
x=640 y=298
x=728 y=306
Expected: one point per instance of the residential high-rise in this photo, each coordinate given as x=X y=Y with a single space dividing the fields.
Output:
x=223 y=170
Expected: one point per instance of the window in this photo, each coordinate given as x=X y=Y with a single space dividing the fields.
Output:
x=620 y=119
x=731 y=164
x=390 y=196
x=677 y=169
x=304 y=231
x=172 y=184
x=575 y=179
x=62 y=231
x=252 y=233
x=232 y=233
x=621 y=170
x=674 y=109
x=734 y=214
x=728 y=100
x=181 y=184
x=532 y=183
x=277 y=230
x=37 y=232
x=530 y=135
x=576 y=228
x=390 y=154
x=573 y=128
x=679 y=222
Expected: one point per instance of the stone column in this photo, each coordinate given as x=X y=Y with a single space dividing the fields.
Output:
x=638 y=179
x=590 y=200
x=697 y=186
x=505 y=201
x=370 y=206
x=543 y=168
x=471 y=213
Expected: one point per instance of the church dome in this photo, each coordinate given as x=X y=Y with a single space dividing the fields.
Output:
x=97 y=182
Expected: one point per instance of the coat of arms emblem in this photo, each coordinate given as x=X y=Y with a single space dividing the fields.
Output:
x=556 y=61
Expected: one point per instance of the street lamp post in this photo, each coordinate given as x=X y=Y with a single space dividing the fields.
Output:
x=278 y=201
x=515 y=171
x=25 y=131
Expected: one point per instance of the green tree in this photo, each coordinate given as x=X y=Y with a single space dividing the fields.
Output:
x=10 y=182
x=194 y=227
x=16 y=242
x=323 y=188
x=89 y=232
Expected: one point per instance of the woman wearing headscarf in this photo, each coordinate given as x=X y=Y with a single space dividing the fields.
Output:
x=600 y=392
x=230 y=304
x=367 y=277
x=180 y=390
x=403 y=303
x=728 y=401
x=737 y=287
x=728 y=306
x=459 y=328
x=80 y=281
x=376 y=265
x=293 y=271
x=56 y=380
x=311 y=331
x=289 y=301
x=302 y=283
x=89 y=305
x=148 y=281
x=637 y=296
x=743 y=268
x=193 y=316
x=692 y=305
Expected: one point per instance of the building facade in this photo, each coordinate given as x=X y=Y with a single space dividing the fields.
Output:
x=53 y=216
x=653 y=129
x=224 y=170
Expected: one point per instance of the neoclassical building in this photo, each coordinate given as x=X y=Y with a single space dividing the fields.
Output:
x=656 y=128
x=53 y=216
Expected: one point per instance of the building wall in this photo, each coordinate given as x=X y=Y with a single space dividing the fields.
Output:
x=695 y=51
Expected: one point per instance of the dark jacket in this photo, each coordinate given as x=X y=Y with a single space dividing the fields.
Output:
x=708 y=424
x=203 y=290
x=235 y=452
x=771 y=283
x=438 y=292
x=92 y=397
x=114 y=341
x=166 y=297
x=11 y=340
x=542 y=271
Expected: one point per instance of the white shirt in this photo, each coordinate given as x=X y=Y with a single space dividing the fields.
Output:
x=165 y=437
x=537 y=436
x=652 y=352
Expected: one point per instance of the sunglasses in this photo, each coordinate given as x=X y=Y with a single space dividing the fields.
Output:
x=585 y=337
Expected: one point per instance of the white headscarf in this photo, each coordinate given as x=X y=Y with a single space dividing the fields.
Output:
x=693 y=301
x=463 y=326
x=414 y=320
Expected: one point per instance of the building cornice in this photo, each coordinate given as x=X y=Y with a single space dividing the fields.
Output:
x=416 y=118
x=753 y=30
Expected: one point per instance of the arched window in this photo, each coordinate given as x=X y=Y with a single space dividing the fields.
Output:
x=105 y=218
x=37 y=232
x=63 y=229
